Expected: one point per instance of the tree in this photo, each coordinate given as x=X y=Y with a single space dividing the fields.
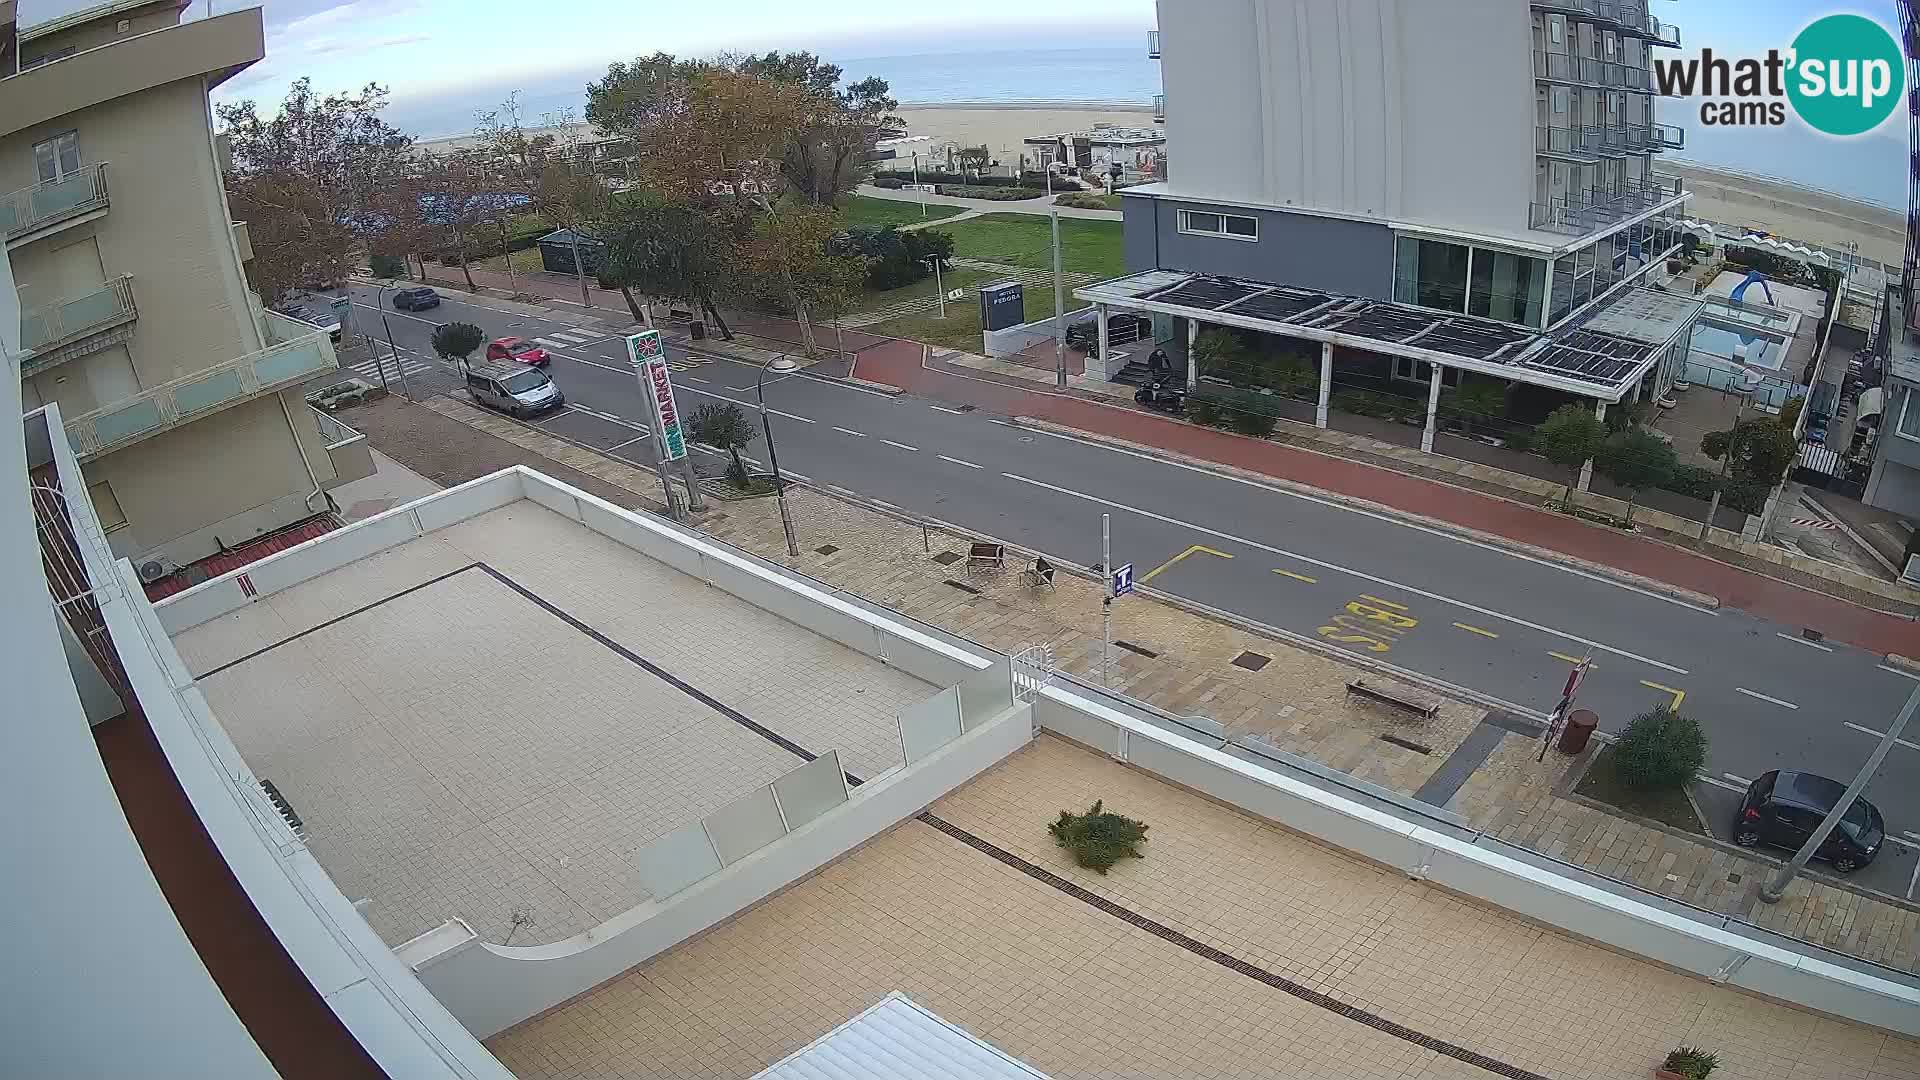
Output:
x=457 y=340
x=790 y=261
x=677 y=252
x=1569 y=438
x=388 y=266
x=1660 y=750
x=1637 y=459
x=725 y=427
x=973 y=158
x=1762 y=448
x=314 y=182
x=1476 y=400
x=1098 y=838
x=1218 y=349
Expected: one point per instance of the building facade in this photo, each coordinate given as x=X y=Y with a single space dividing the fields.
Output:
x=181 y=393
x=1488 y=157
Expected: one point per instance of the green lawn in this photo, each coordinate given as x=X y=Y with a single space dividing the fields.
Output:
x=961 y=328
x=1086 y=247
x=867 y=210
x=1602 y=784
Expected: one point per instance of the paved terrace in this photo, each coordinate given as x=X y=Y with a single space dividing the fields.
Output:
x=1235 y=948
x=490 y=720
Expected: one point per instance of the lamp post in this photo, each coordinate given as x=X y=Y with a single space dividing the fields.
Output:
x=783 y=366
x=398 y=367
x=939 y=285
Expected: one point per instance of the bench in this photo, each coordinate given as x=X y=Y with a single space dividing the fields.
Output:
x=1391 y=699
x=675 y=314
x=990 y=558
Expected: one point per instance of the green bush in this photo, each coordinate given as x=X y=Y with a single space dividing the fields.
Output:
x=1083 y=200
x=1202 y=411
x=1660 y=750
x=1692 y=1063
x=998 y=194
x=888 y=183
x=1256 y=424
x=1098 y=839
x=388 y=266
x=1520 y=440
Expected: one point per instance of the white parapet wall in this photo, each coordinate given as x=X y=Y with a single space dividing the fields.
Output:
x=1455 y=863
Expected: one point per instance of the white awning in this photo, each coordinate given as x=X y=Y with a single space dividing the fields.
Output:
x=898 y=1040
x=1873 y=401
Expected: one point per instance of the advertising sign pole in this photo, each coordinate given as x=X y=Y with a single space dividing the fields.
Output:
x=641 y=348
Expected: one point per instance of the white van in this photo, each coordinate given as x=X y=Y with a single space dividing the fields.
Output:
x=513 y=388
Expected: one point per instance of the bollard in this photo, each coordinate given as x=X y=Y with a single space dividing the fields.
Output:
x=1579 y=728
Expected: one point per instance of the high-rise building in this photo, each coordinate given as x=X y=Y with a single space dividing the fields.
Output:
x=180 y=392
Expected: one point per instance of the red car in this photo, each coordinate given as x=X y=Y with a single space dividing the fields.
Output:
x=520 y=349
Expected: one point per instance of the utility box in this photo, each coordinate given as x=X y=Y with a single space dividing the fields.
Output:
x=1002 y=304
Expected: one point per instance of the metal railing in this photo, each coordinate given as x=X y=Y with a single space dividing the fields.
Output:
x=1560 y=140
x=1668 y=136
x=45 y=203
x=186 y=399
x=1159 y=106
x=1153 y=44
x=1592 y=209
x=1664 y=33
x=333 y=431
x=279 y=329
x=50 y=326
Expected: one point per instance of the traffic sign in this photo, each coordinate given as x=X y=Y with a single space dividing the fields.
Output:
x=1122 y=582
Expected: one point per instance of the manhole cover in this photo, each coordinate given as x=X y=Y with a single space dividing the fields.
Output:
x=1252 y=661
x=947 y=558
x=826 y=549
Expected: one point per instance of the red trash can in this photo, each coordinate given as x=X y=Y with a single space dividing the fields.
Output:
x=1578 y=729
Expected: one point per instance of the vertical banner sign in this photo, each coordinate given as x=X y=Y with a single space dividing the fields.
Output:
x=649 y=361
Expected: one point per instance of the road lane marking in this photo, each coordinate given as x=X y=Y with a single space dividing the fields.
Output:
x=1197 y=549
x=1803 y=641
x=573 y=337
x=642 y=437
x=1475 y=630
x=1388 y=518
x=703 y=382
x=850 y=431
x=1388 y=582
x=395 y=314
x=740 y=389
x=1678 y=695
x=1719 y=783
x=1880 y=735
x=548 y=344
x=944 y=409
x=1568 y=659
x=1763 y=697
x=1384 y=603
x=1298 y=577
x=1898 y=671
x=1914 y=881
x=957 y=461
x=900 y=445
x=702 y=393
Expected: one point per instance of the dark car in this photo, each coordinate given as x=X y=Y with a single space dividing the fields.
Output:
x=416 y=299
x=1783 y=808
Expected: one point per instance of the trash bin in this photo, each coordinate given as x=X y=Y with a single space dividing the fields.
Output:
x=698 y=329
x=1578 y=729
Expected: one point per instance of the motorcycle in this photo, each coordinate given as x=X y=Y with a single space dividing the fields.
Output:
x=1164 y=394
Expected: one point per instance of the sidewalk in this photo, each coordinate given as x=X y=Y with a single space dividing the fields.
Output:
x=1296 y=702
x=1042 y=206
x=901 y=364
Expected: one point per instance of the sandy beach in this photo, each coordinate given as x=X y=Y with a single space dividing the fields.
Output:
x=1004 y=127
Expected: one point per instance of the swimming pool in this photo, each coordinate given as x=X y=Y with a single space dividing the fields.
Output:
x=1762 y=352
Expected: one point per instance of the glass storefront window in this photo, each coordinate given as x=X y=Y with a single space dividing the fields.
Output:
x=1430 y=273
x=1508 y=287
x=1561 y=300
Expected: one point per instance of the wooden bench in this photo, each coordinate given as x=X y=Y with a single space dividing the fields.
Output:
x=986 y=558
x=679 y=314
x=1391 y=699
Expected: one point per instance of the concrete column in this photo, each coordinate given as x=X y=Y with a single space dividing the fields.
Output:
x=1326 y=384
x=1193 y=366
x=1100 y=316
x=1433 y=408
x=1586 y=470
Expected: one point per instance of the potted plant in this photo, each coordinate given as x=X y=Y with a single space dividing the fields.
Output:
x=1687 y=1063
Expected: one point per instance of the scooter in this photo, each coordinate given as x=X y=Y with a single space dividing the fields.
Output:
x=1164 y=394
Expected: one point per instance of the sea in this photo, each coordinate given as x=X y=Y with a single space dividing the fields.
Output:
x=1872 y=167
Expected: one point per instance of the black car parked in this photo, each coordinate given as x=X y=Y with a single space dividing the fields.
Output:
x=416 y=299
x=1783 y=808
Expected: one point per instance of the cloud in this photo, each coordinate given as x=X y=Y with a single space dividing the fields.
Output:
x=367 y=46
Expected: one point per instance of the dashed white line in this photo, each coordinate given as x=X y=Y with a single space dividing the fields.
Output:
x=1442 y=598
x=1803 y=641
x=1741 y=780
x=957 y=461
x=1762 y=697
x=1880 y=735
x=850 y=431
x=1716 y=782
x=900 y=445
x=791 y=416
x=693 y=378
x=944 y=409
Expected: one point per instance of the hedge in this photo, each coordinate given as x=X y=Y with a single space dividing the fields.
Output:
x=998 y=194
x=940 y=176
x=888 y=183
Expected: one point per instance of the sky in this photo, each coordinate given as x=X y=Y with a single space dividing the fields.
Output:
x=444 y=60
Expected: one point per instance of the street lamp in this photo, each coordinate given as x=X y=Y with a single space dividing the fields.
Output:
x=939 y=285
x=399 y=368
x=784 y=366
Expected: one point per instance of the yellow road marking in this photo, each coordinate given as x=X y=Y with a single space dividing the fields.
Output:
x=1475 y=630
x=1298 y=577
x=1568 y=659
x=1384 y=603
x=1197 y=549
x=1678 y=695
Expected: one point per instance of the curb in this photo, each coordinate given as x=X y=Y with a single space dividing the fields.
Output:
x=1699 y=599
x=1904 y=662
x=877 y=387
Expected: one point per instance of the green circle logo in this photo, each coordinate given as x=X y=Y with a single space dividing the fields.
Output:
x=1847 y=74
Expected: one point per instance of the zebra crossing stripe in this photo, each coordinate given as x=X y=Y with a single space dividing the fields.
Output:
x=573 y=337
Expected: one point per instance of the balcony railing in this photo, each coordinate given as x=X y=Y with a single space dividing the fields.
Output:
x=1664 y=33
x=1160 y=108
x=48 y=327
x=1669 y=136
x=1561 y=142
x=48 y=203
x=1153 y=44
x=203 y=393
x=1579 y=212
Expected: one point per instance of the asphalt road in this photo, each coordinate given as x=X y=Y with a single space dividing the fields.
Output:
x=1468 y=613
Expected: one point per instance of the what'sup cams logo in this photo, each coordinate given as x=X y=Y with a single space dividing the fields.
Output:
x=1843 y=75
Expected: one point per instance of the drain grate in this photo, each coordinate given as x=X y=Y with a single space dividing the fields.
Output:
x=963 y=587
x=1132 y=648
x=947 y=558
x=287 y=812
x=1406 y=744
x=826 y=549
x=1252 y=661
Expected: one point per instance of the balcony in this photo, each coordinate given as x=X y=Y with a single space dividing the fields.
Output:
x=40 y=210
x=1159 y=108
x=1668 y=137
x=64 y=329
x=347 y=450
x=1153 y=44
x=1580 y=212
x=1662 y=33
x=1562 y=142
x=182 y=401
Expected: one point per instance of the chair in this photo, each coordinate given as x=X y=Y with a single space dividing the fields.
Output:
x=1039 y=575
x=986 y=558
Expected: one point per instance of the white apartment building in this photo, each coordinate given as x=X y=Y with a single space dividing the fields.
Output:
x=180 y=393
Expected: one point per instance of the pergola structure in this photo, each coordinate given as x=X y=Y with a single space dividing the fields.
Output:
x=1602 y=355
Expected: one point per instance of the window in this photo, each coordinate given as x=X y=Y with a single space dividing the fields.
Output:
x=1508 y=287
x=1910 y=414
x=1232 y=226
x=58 y=157
x=105 y=506
x=1408 y=369
x=1556 y=28
x=1430 y=273
x=1559 y=101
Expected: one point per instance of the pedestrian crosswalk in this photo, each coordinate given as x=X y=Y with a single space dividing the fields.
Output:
x=570 y=338
x=370 y=370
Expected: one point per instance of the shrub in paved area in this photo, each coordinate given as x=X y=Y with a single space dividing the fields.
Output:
x=725 y=427
x=457 y=339
x=1660 y=750
x=1569 y=438
x=1690 y=1063
x=1088 y=200
x=1098 y=838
